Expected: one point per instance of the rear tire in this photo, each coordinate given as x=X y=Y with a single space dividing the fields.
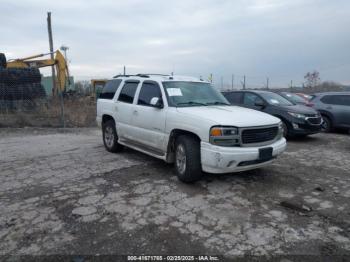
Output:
x=326 y=125
x=110 y=137
x=187 y=159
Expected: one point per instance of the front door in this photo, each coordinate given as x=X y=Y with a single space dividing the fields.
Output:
x=148 y=120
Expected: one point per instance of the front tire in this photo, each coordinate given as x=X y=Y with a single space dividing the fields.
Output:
x=187 y=159
x=326 y=125
x=110 y=137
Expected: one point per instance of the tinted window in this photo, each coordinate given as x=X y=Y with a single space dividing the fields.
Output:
x=128 y=92
x=250 y=99
x=336 y=100
x=234 y=97
x=110 y=88
x=147 y=92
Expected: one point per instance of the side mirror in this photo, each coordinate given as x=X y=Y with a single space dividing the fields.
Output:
x=259 y=103
x=157 y=102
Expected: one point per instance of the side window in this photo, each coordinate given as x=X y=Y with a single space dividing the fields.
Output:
x=128 y=92
x=327 y=100
x=342 y=100
x=110 y=88
x=250 y=99
x=147 y=92
x=234 y=97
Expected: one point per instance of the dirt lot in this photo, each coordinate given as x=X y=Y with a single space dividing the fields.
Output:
x=62 y=193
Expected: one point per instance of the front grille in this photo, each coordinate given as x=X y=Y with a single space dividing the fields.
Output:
x=314 y=120
x=259 y=135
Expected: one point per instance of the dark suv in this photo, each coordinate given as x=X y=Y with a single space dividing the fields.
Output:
x=334 y=108
x=298 y=120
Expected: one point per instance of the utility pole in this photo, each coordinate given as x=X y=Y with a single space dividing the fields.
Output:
x=222 y=83
x=53 y=73
x=243 y=83
x=267 y=83
x=232 y=81
x=124 y=71
x=291 y=84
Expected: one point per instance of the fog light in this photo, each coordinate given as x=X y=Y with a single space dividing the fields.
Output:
x=295 y=126
x=231 y=163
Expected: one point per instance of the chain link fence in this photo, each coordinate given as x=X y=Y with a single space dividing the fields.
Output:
x=24 y=102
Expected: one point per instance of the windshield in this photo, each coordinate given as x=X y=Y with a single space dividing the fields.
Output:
x=276 y=99
x=294 y=98
x=182 y=93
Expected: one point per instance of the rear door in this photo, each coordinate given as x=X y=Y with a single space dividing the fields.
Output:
x=124 y=110
x=339 y=106
x=149 y=121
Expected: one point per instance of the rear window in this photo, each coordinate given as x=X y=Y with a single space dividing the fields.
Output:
x=343 y=100
x=234 y=97
x=110 y=88
x=128 y=92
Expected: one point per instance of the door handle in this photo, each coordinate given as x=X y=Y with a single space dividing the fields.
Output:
x=135 y=112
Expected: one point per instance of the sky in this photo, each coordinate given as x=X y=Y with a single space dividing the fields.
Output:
x=281 y=40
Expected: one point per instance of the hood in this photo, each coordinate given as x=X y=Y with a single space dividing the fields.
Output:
x=300 y=109
x=230 y=115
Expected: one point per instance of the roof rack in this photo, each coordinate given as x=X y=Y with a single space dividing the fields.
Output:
x=140 y=75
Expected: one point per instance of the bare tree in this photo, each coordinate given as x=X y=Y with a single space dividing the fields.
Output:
x=312 y=79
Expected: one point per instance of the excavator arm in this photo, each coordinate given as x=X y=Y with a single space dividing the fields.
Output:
x=59 y=62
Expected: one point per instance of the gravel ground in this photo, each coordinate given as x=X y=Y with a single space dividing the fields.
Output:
x=62 y=193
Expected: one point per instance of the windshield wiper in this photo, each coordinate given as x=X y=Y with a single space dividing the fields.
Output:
x=218 y=103
x=191 y=103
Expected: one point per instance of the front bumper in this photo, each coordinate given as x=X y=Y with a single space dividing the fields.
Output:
x=217 y=159
x=305 y=128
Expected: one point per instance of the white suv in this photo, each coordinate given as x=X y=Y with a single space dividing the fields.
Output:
x=187 y=121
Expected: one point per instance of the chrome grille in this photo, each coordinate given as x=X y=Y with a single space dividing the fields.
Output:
x=259 y=135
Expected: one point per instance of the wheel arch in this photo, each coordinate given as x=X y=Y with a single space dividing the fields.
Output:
x=174 y=134
x=107 y=117
x=327 y=114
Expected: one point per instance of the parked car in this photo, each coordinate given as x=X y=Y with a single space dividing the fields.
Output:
x=305 y=96
x=334 y=108
x=186 y=121
x=296 y=99
x=298 y=120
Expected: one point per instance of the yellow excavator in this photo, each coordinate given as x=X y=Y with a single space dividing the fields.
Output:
x=96 y=87
x=32 y=62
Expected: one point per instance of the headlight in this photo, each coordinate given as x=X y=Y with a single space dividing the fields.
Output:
x=301 y=116
x=224 y=136
x=280 y=130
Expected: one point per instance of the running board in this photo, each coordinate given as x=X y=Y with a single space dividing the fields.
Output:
x=143 y=148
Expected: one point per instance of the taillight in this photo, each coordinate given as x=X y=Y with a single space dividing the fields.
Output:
x=310 y=104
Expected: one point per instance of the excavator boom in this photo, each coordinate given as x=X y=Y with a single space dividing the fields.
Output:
x=59 y=62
